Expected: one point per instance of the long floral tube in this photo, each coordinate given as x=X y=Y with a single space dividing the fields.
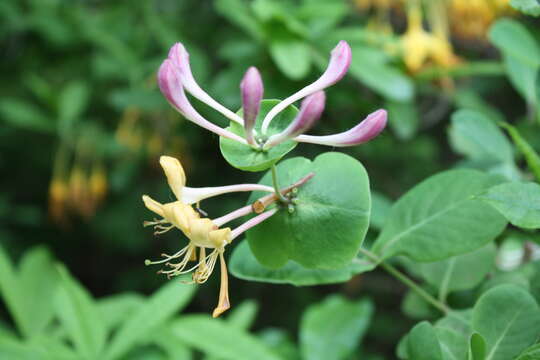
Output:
x=243 y=211
x=340 y=61
x=310 y=111
x=361 y=133
x=171 y=87
x=252 y=222
x=180 y=59
x=193 y=195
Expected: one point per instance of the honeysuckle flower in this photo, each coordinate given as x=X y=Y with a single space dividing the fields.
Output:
x=203 y=233
x=175 y=77
x=310 y=111
x=366 y=130
x=252 y=91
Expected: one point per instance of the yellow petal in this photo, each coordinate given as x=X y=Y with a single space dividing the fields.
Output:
x=153 y=205
x=200 y=232
x=175 y=174
x=220 y=237
x=223 y=304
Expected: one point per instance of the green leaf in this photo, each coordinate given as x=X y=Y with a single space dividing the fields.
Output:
x=38 y=279
x=453 y=343
x=25 y=115
x=370 y=67
x=80 y=317
x=518 y=202
x=12 y=294
x=523 y=77
x=514 y=40
x=227 y=342
x=117 y=308
x=531 y=156
x=439 y=218
x=380 y=207
x=476 y=136
x=508 y=318
x=416 y=307
x=403 y=118
x=73 y=100
x=243 y=315
x=159 y=308
x=327 y=226
x=477 y=349
x=333 y=318
x=238 y=12
x=245 y=266
x=529 y=7
x=423 y=344
x=292 y=56
x=532 y=353
x=244 y=157
x=460 y=272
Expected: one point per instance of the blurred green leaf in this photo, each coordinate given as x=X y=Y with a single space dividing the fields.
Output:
x=292 y=57
x=12 y=294
x=79 y=315
x=419 y=221
x=334 y=318
x=518 y=202
x=531 y=156
x=380 y=208
x=516 y=41
x=116 y=309
x=159 y=308
x=460 y=272
x=73 y=100
x=508 y=318
x=423 y=344
x=529 y=7
x=23 y=114
x=38 y=279
x=369 y=66
x=453 y=343
x=403 y=118
x=238 y=12
x=228 y=342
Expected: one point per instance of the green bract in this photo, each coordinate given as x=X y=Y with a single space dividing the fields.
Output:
x=244 y=157
x=330 y=218
x=439 y=218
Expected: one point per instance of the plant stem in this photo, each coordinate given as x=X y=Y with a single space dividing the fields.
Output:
x=407 y=281
x=276 y=185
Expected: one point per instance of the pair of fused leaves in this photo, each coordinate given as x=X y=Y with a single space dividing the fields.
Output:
x=502 y=325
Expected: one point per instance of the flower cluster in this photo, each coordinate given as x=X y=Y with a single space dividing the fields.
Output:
x=202 y=233
x=175 y=79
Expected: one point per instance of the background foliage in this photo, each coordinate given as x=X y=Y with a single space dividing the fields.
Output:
x=83 y=124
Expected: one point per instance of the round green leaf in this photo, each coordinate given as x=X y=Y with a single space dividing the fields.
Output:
x=439 y=218
x=245 y=266
x=423 y=343
x=330 y=218
x=508 y=318
x=244 y=157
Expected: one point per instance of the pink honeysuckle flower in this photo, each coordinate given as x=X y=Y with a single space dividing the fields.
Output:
x=252 y=91
x=310 y=111
x=180 y=58
x=172 y=87
x=340 y=60
x=366 y=130
x=175 y=76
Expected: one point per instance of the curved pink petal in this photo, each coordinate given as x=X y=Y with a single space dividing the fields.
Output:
x=340 y=60
x=180 y=58
x=310 y=111
x=366 y=130
x=172 y=89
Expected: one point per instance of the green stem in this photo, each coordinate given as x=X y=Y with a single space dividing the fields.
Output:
x=276 y=185
x=407 y=281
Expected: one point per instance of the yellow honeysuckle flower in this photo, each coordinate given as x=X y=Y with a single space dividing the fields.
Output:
x=202 y=233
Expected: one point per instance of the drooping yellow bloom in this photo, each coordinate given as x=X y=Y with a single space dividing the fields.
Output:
x=470 y=19
x=202 y=233
x=421 y=47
